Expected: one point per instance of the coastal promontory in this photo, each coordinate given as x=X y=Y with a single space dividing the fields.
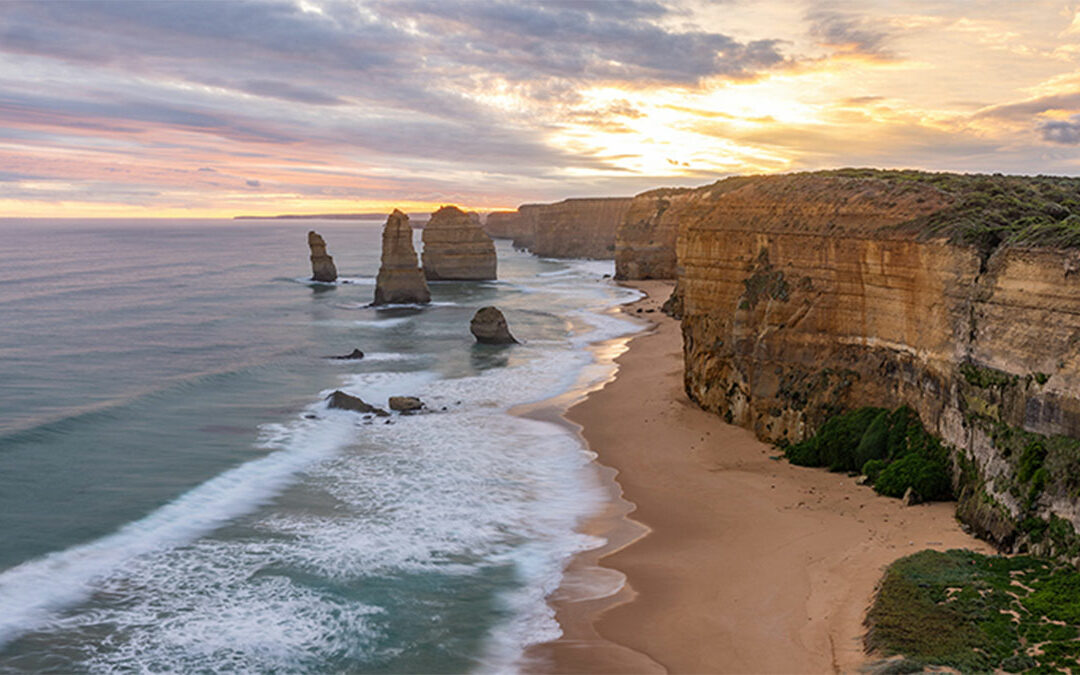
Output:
x=456 y=248
x=400 y=280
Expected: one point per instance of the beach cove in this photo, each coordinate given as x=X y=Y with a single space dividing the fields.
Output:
x=735 y=560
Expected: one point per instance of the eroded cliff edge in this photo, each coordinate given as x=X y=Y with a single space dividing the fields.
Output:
x=808 y=294
x=572 y=228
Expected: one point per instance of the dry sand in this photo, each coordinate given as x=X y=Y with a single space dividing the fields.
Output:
x=735 y=561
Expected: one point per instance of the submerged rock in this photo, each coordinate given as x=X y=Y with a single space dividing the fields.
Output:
x=343 y=401
x=400 y=280
x=405 y=403
x=489 y=327
x=322 y=265
x=351 y=356
x=456 y=247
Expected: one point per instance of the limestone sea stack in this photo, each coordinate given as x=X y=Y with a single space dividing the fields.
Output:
x=400 y=281
x=322 y=265
x=489 y=327
x=456 y=248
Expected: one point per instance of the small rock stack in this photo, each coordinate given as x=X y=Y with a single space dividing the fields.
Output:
x=322 y=265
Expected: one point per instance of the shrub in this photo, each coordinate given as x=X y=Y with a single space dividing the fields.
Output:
x=929 y=478
x=873 y=468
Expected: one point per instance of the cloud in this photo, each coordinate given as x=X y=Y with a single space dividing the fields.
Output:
x=849 y=34
x=1061 y=131
x=252 y=183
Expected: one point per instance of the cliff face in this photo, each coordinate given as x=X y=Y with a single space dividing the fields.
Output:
x=579 y=228
x=322 y=265
x=456 y=248
x=400 y=281
x=807 y=294
x=502 y=224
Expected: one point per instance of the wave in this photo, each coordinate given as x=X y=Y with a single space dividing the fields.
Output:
x=31 y=593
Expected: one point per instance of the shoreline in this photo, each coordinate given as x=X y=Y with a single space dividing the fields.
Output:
x=733 y=560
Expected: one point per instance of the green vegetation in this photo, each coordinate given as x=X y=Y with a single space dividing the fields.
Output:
x=978 y=613
x=992 y=209
x=893 y=449
x=1041 y=378
x=986 y=378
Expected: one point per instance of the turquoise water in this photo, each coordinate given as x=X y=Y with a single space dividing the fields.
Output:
x=175 y=495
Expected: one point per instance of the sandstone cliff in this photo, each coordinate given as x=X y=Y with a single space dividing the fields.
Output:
x=456 y=248
x=400 y=281
x=808 y=294
x=322 y=265
x=579 y=228
x=572 y=228
x=502 y=224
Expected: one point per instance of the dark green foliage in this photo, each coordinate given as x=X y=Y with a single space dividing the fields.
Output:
x=1031 y=460
x=893 y=449
x=1041 y=378
x=956 y=609
x=929 y=478
x=873 y=468
x=985 y=378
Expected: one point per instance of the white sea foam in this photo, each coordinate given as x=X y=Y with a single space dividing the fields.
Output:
x=32 y=592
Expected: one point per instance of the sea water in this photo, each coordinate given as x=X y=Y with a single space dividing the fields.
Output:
x=175 y=494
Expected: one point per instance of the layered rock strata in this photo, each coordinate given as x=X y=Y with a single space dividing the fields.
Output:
x=804 y=295
x=456 y=247
x=322 y=265
x=572 y=228
x=400 y=280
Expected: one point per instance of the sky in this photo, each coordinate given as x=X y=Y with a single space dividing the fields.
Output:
x=190 y=108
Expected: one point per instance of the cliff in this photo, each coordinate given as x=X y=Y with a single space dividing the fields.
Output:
x=456 y=248
x=579 y=228
x=572 y=228
x=502 y=224
x=399 y=281
x=322 y=265
x=808 y=294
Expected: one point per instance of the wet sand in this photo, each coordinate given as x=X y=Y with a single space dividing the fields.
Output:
x=735 y=561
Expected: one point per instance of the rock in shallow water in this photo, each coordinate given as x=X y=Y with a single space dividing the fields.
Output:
x=405 y=403
x=489 y=327
x=351 y=356
x=343 y=401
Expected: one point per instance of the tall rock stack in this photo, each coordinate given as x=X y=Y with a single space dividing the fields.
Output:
x=400 y=281
x=502 y=224
x=322 y=265
x=456 y=247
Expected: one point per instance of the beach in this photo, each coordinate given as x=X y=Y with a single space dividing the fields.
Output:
x=735 y=561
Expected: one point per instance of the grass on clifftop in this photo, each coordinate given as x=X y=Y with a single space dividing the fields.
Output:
x=994 y=209
x=893 y=449
x=978 y=613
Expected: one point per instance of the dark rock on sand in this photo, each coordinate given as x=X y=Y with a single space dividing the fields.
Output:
x=489 y=327
x=343 y=401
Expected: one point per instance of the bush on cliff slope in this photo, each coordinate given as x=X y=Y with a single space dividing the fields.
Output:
x=893 y=449
x=989 y=210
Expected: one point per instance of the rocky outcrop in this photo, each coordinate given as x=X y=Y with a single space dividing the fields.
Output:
x=456 y=247
x=502 y=224
x=322 y=265
x=807 y=294
x=489 y=327
x=400 y=281
x=354 y=355
x=343 y=401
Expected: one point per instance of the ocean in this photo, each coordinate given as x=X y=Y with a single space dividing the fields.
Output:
x=176 y=496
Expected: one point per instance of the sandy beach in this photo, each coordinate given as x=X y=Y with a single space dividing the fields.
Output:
x=735 y=561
